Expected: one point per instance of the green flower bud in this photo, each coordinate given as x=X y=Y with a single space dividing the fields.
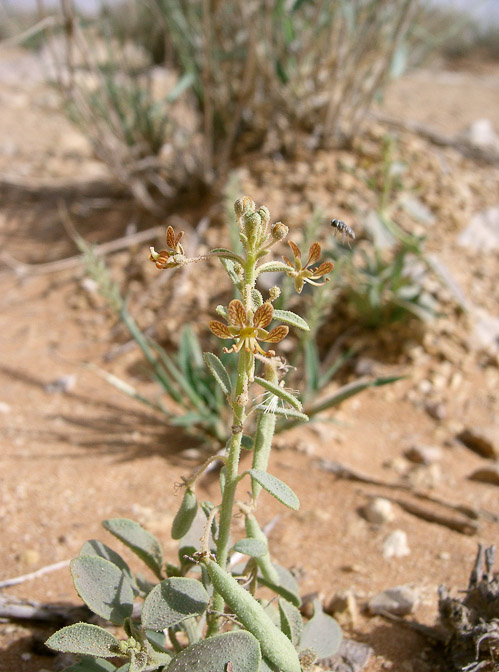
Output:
x=243 y=205
x=274 y=293
x=279 y=231
x=252 y=226
x=264 y=213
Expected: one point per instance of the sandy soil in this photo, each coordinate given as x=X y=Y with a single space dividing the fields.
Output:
x=72 y=458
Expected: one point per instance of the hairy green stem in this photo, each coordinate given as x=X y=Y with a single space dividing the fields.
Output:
x=231 y=480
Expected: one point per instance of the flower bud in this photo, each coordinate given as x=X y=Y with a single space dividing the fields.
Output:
x=279 y=231
x=274 y=293
x=252 y=226
x=264 y=213
x=243 y=205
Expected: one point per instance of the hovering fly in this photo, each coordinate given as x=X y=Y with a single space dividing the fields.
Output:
x=344 y=229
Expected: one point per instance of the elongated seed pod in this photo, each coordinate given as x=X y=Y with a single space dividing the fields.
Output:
x=254 y=531
x=274 y=644
x=185 y=515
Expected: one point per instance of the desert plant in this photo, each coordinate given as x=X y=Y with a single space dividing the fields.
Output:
x=189 y=598
x=110 y=90
x=271 y=67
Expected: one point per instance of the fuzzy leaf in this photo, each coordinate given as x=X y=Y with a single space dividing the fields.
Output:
x=291 y=621
x=213 y=654
x=276 y=488
x=322 y=633
x=279 y=392
x=172 y=601
x=294 y=320
x=287 y=586
x=92 y=665
x=96 y=547
x=219 y=372
x=252 y=547
x=139 y=540
x=103 y=587
x=247 y=442
x=89 y=640
x=272 y=267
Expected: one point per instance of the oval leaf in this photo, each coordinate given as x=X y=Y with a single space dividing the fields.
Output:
x=139 y=540
x=96 y=547
x=92 y=665
x=252 y=547
x=294 y=320
x=291 y=621
x=172 y=601
x=276 y=488
x=322 y=633
x=280 y=392
x=103 y=587
x=219 y=372
x=286 y=586
x=214 y=654
x=86 y=639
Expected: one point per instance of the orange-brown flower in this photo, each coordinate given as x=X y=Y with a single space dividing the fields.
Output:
x=302 y=273
x=171 y=257
x=247 y=329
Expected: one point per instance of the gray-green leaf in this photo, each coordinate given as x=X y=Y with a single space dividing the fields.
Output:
x=294 y=320
x=139 y=540
x=219 y=372
x=286 y=587
x=279 y=392
x=92 y=665
x=276 y=488
x=96 y=547
x=291 y=621
x=322 y=633
x=103 y=587
x=89 y=640
x=213 y=654
x=172 y=601
x=252 y=547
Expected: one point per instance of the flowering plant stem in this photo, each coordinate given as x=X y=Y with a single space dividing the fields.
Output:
x=231 y=480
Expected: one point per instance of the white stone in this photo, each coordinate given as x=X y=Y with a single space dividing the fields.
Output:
x=379 y=510
x=396 y=545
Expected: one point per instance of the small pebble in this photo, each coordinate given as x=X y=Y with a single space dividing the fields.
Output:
x=400 y=600
x=395 y=545
x=26 y=655
x=483 y=440
x=421 y=454
x=486 y=474
x=379 y=510
x=61 y=384
x=4 y=408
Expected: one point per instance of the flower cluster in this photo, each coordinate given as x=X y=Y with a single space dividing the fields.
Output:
x=247 y=329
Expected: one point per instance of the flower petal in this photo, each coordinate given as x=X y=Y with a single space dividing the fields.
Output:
x=276 y=334
x=177 y=239
x=295 y=248
x=286 y=261
x=263 y=315
x=170 y=238
x=314 y=254
x=236 y=313
x=220 y=329
x=323 y=269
